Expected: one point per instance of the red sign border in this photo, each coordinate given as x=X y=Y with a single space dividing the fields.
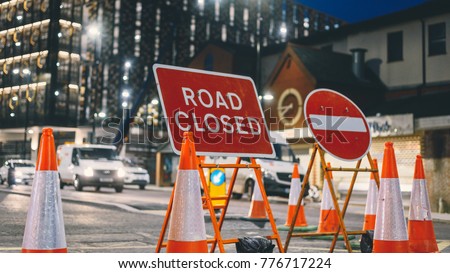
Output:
x=314 y=136
x=179 y=68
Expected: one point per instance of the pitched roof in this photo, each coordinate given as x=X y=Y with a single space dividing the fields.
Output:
x=334 y=70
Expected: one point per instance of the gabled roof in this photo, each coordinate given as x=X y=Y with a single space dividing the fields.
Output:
x=334 y=70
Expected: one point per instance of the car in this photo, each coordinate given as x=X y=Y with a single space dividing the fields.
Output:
x=135 y=175
x=276 y=172
x=23 y=171
x=92 y=165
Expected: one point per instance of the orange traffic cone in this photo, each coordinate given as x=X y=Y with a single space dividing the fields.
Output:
x=44 y=229
x=420 y=226
x=257 y=210
x=371 y=202
x=390 y=226
x=187 y=225
x=294 y=195
x=329 y=220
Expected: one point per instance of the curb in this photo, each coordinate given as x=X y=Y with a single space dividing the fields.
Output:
x=91 y=203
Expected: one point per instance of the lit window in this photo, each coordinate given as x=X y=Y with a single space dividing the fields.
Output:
x=245 y=18
x=217 y=10
x=231 y=16
x=201 y=6
x=224 y=33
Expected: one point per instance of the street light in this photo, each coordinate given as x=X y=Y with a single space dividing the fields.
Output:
x=125 y=93
x=268 y=97
x=94 y=125
x=93 y=30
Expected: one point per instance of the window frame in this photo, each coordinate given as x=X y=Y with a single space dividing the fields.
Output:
x=437 y=40
x=392 y=44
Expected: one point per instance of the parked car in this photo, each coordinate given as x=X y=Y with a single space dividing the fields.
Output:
x=135 y=175
x=276 y=172
x=83 y=165
x=23 y=171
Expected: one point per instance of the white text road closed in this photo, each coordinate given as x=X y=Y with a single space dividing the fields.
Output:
x=221 y=110
x=210 y=122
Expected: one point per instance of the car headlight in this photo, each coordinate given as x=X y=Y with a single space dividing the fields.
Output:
x=269 y=175
x=89 y=172
x=120 y=172
x=18 y=174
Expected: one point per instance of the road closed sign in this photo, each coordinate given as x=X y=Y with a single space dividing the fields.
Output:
x=337 y=124
x=221 y=110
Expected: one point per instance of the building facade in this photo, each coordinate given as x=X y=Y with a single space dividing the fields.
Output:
x=40 y=60
x=132 y=35
x=409 y=51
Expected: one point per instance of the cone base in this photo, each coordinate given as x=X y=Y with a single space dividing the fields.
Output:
x=58 y=250
x=356 y=245
x=369 y=222
x=421 y=237
x=248 y=218
x=301 y=219
x=257 y=210
x=384 y=246
x=329 y=221
x=187 y=247
x=329 y=237
x=299 y=229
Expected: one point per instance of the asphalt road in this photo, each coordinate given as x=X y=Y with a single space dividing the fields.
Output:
x=131 y=221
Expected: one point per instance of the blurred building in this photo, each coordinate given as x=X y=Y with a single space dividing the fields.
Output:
x=409 y=51
x=124 y=38
x=128 y=37
x=40 y=62
x=393 y=67
x=70 y=63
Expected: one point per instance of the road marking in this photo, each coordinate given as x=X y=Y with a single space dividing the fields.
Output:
x=88 y=247
x=443 y=245
x=10 y=248
x=321 y=249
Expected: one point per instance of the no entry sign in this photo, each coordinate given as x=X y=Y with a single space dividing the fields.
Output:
x=221 y=110
x=337 y=124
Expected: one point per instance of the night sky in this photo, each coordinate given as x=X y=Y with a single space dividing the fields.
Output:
x=359 y=10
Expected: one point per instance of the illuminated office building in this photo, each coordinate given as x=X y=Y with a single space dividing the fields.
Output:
x=40 y=62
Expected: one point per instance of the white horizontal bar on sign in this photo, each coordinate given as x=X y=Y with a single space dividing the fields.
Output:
x=337 y=123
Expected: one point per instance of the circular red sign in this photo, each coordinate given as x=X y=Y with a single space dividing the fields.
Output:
x=337 y=124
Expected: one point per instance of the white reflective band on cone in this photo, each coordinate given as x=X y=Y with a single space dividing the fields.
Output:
x=44 y=228
x=390 y=224
x=372 y=197
x=187 y=222
x=294 y=194
x=327 y=201
x=420 y=204
x=257 y=196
